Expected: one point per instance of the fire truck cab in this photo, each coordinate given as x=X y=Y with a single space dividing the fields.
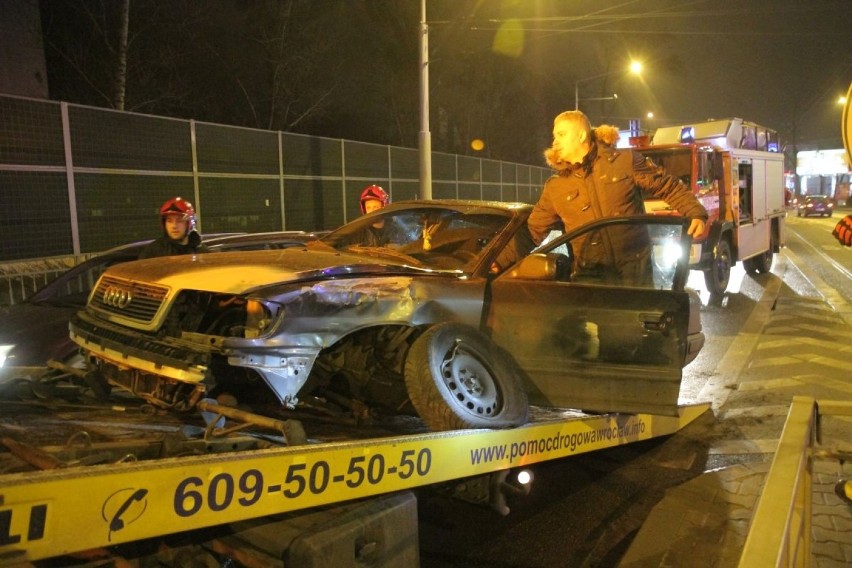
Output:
x=735 y=170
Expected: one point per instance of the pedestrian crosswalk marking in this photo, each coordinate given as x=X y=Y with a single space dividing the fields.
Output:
x=794 y=381
x=811 y=358
x=758 y=411
x=800 y=341
x=739 y=447
x=769 y=384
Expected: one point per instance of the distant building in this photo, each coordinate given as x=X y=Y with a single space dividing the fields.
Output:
x=824 y=172
x=22 y=66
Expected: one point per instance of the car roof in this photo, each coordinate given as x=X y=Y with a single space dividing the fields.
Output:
x=270 y=239
x=504 y=205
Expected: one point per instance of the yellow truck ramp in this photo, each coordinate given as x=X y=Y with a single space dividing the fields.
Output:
x=76 y=508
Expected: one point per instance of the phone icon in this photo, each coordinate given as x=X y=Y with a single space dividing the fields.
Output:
x=118 y=520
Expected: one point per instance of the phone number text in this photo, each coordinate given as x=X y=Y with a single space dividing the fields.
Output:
x=223 y=490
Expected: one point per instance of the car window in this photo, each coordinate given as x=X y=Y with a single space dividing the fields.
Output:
x=631 y=252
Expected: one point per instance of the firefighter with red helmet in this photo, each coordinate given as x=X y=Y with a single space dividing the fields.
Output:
x=177 y=217
x=372 y=199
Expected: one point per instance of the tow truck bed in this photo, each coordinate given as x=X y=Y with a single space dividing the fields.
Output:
x=84 y=477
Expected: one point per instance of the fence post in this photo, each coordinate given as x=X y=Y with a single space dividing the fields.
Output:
x=69 y=177
x=196 y=190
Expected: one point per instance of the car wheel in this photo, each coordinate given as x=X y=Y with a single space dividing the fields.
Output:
x=760 y=264
x=458 y=378
x=716 y=277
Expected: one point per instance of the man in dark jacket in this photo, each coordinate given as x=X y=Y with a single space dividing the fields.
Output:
x=177 y=217
x=594 y=180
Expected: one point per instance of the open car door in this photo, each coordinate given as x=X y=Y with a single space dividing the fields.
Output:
x=599 y=319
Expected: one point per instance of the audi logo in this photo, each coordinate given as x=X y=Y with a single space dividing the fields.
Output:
x=117 y=297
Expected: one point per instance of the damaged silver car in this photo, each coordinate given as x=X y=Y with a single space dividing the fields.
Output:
x=404 y=311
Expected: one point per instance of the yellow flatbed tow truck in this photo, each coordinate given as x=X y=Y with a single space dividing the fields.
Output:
x=127 y=473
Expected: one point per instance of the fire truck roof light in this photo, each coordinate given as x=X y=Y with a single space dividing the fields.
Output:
x=687 y=134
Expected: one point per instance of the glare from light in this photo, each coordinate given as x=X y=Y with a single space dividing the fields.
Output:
x=841 y=100
x=649 y=115
x=671 y=253
x=636 y=67
x=524 y=477
x=5 y=350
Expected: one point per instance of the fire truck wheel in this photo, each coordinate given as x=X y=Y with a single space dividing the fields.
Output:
x=716 y=277
x=458 y=378
x=760 y=264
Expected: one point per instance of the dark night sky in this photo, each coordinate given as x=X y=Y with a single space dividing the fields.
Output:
x=775 y=62
x=499 y=69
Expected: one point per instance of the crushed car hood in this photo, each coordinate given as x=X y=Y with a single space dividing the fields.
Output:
x=239 y=272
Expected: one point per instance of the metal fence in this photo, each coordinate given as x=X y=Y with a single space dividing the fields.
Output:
x=76 y=180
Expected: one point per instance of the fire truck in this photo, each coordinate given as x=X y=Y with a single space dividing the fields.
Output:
x=735 y=170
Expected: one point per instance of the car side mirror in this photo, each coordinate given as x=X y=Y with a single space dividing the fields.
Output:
x=538 y=266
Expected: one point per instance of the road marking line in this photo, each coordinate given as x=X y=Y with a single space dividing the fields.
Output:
x=758 y=411
x=799 y=341
x=718 y=387
x=735 y=447
x=810 y=358
x=832 y=296
x=769 y=384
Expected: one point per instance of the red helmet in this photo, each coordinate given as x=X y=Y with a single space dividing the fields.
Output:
x=179 y=206
x=374 y=192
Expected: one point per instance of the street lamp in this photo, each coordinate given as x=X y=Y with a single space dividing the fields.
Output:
x=635 y=68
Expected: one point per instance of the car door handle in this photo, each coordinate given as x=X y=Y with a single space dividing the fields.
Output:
x=656 y=321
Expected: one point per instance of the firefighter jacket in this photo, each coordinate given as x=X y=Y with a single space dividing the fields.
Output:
x=164 y=246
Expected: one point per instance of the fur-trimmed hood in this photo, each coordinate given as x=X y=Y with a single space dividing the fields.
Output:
x=605 y=134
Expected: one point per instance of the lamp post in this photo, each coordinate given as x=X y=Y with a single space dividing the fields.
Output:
x=635 y=68
x=425 y=134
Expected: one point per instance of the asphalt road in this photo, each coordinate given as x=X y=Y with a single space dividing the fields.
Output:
x=585 y=510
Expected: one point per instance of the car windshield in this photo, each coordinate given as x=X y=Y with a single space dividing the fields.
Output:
x=438 y=237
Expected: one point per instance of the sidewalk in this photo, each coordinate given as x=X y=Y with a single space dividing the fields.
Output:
x=791 y=345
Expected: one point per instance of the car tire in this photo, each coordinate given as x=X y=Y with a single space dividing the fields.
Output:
x=760 y=264
x=457 y=378
x=716 y=277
